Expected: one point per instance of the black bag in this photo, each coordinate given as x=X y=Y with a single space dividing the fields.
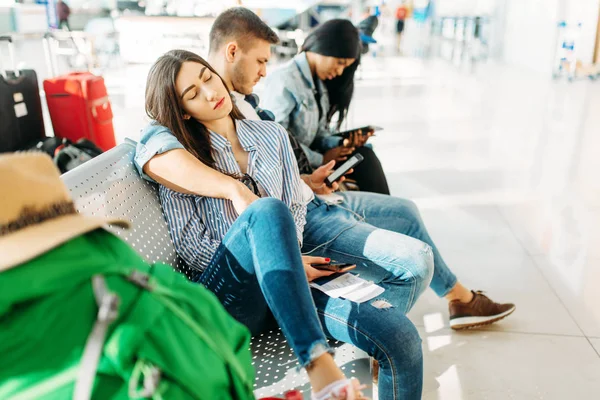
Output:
x=71 y=155
x=66 y=154
x=49 y=145
x=22 y=122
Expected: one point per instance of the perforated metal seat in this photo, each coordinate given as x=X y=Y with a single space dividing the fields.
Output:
x=110 y=185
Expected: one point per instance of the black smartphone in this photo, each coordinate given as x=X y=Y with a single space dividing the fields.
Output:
x=346 y=134
x=338 y=173
x=335 y=267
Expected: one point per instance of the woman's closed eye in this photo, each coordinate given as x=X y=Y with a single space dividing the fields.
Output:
x=194 y=92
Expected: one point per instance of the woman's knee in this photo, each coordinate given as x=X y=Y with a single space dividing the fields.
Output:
x=368 y=154
x=397 y=341
x=266 y=203
x=268 y=208
x=271 y=219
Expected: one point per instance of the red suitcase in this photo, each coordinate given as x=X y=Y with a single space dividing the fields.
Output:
x=79 y=108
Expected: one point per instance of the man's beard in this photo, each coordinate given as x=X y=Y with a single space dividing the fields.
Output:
x=240 y=85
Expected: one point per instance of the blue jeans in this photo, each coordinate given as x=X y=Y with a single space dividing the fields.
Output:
x=402 y=265
x=401 y=216
x=257 y=273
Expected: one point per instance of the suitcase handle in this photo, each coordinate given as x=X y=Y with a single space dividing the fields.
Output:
x=48 y=42
x=11 y=54
x=51 y=45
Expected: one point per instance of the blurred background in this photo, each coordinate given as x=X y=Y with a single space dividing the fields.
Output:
x=491 y=117
x=549 y=39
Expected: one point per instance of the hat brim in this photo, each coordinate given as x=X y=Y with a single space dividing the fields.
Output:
x=32 y=241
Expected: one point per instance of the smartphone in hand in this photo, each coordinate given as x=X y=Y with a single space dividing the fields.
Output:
x=335 y=267
x=364 y=129
x=345 y=167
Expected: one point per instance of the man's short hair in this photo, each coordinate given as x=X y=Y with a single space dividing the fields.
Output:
x=241 y=25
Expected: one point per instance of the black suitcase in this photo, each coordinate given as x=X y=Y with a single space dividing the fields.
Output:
x=21 y=118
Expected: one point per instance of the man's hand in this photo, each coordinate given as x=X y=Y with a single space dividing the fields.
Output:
x=337 y=154
x=242 y=198
x=313 y=273
x=316 y=181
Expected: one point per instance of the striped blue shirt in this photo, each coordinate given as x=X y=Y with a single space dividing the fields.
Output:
x=198 y=224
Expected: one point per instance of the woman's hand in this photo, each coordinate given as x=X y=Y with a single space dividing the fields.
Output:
x=242 y=197
x=316 y=180
x=358 y=138
x=337 y=154
x=313 y=273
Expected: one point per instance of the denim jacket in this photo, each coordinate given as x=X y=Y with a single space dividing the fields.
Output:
x=290 y=95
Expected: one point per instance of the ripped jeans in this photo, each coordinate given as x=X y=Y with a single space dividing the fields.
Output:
x=257 y=274
x=402 y=216
x=402 y=265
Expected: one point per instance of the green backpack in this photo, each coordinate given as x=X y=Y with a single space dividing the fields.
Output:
x=91 y=320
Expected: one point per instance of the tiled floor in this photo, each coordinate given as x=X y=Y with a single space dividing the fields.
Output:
x=504 y=166
x=501 y=365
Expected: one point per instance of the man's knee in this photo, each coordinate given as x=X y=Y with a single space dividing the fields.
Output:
x=407 y=210
x=406 y=257
x=420 y=265
x=425 y=264
x=410 y=206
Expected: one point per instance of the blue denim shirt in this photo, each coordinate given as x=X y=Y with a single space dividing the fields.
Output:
x=290 y=95
x=155 y=139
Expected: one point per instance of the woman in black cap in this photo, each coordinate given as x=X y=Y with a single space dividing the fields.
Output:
x=314 y=89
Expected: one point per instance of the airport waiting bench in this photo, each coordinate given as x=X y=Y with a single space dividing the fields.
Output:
x=109 y=185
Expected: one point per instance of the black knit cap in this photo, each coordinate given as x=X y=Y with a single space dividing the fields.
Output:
x=335 y=38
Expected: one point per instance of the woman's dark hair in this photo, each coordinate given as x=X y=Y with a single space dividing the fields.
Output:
x=337 y=38
x=163 y=104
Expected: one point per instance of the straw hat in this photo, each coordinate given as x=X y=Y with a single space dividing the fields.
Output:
x=37 y=213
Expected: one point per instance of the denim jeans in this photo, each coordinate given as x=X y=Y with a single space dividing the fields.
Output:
x=402 y=265
x=401 y=216
x=257 y=273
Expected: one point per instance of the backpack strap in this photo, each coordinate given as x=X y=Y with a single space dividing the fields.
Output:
x=108 y=310
x=168 y=298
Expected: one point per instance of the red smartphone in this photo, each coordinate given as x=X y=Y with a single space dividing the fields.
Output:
x=335 y=267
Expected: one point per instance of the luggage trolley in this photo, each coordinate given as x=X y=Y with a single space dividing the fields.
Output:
x=565 y=59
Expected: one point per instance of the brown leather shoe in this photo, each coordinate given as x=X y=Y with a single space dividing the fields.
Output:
x=478 y=312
